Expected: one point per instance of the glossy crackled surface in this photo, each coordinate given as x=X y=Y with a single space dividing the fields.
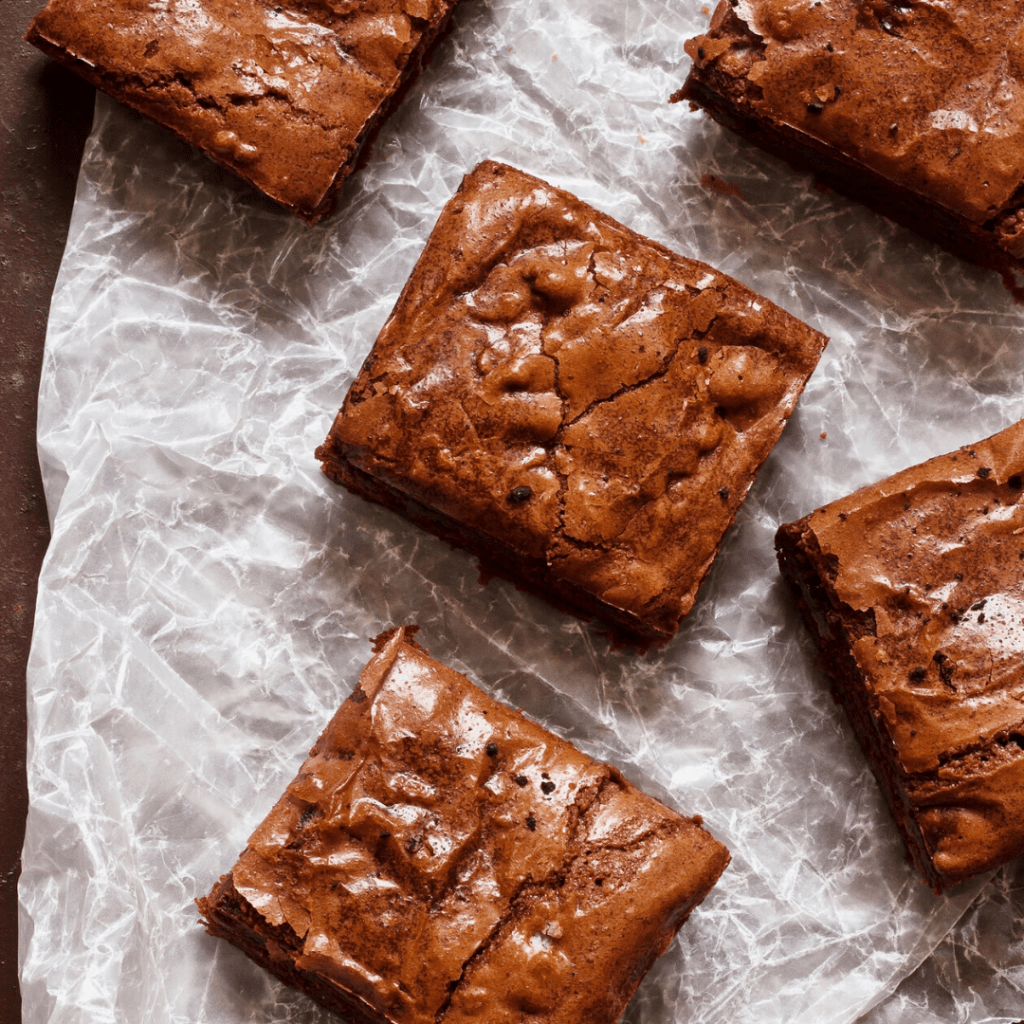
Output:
x=930 y=95
x=554 y=380
x=943 y=585
x=281 y=93
x=442 y=857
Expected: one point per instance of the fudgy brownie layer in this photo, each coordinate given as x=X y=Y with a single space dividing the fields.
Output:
x=496 y=558
x=440 y=858
x=914 y=591
x=285 y=95
x=228 y=915
x=579 y=406
x=826 y=89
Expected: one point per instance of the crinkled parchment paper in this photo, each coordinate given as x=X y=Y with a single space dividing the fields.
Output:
x=207 y=596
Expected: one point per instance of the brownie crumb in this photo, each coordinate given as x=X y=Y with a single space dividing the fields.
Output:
x=547 y=787
x=723 y=493
x=984 y=472
x=520 y=494
x=702 y=354
x=917 y=675
x=521 y=780
x=531 y=823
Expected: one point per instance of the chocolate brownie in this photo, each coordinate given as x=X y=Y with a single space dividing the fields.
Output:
x=914 y=590
x=916 y=109
x=579 y=406
x=283 y=93
x=441 y=858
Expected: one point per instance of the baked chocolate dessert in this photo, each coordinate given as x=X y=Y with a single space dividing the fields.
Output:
x=440 y=858
x=914 y=590
x=579 y=406
x=284 y=93
x=914 y=108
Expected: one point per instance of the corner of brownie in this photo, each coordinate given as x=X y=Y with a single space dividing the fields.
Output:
x=439 y=859
x=888 y=103
x=914 y=591
x=285 y=93
x=577 y=405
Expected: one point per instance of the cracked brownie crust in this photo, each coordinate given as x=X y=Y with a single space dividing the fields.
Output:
x=914 y=590
x=284 y=94
x=576 y=404
x=440 y=858
x=914 y=108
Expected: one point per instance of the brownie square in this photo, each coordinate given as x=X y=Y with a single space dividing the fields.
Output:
x=439 y=857
x=579 y=406
x=914 y=591
x=283 y=92
x=915 y=109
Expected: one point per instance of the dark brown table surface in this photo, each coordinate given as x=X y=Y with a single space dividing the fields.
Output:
x=47 y=112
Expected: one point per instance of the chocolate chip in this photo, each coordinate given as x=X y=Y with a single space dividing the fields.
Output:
x=520 y=494
x=723 y=493
x=981 y=618
x=814 y=107
x=700 y=53
x=830 y=48
x=938 y=657
x=1015 y=737
x=531 y=823
x=839 y=91
x=917 y=675
x=893 y=128
x=492 y=749
x=984 y=472
x=702 y=354
x=1015 y=482
x=521 y=780
x=307 y=816
x=958 y=576
x=547 y=787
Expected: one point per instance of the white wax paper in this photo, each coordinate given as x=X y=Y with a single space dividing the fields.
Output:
x=206 y=598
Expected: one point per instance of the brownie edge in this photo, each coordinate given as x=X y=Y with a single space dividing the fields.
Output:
x=440 y=858
x=914 y=593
